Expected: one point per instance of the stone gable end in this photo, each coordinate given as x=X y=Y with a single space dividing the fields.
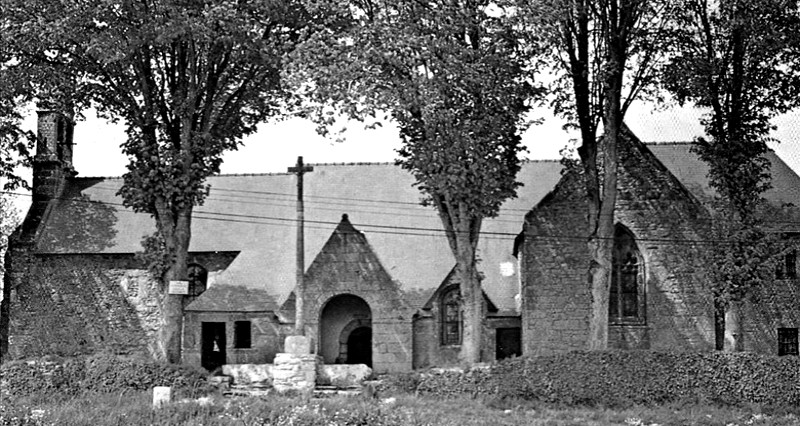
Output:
x=659 y=213
x=347 y=266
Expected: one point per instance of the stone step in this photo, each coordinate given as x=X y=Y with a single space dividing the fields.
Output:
x=242 y=391
x=328 y=393
x=319 y=391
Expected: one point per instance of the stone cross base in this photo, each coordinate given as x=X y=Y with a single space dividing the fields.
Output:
x=296 y=369
x=294 y=372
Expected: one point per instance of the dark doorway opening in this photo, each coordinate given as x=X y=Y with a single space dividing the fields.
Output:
x=212 y=345
x=341 y=317
x=509 y=342
x=359 y=346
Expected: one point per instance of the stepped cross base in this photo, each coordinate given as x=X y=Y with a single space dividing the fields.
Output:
x=296 y=368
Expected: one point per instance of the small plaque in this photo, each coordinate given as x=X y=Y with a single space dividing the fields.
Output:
x=179 y=287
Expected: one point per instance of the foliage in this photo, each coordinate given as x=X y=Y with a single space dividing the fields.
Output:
x=15 y=143
x=738 y=59
x=9 y=219
x=135 y=408
x=454 y=77
x=56 y=377
x=626 y=378
x=189 y=79
x=154 y=255
x=747 y=260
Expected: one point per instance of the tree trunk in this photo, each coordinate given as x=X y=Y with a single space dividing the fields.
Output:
x=601 y=241
x=734 y=327
x=471 y=302
x=463 y=231
x=599 y=281
x=177 y=240
x=719 y=326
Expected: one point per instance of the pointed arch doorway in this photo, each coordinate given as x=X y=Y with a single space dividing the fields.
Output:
x=345 y=331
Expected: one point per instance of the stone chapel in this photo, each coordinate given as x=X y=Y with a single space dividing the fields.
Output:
x=379 y=273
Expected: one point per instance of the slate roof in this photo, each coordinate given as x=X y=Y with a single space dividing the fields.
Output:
x=692 y=172
x=226 y=298
x=255 y=215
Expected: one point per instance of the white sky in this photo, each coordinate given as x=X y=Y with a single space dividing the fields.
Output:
x=276 y=146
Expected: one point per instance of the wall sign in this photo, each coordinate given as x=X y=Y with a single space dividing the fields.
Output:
x=179 y=287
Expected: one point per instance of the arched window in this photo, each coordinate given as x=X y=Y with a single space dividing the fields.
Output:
x=198 y=276
x=451 y=316
x=626 y=304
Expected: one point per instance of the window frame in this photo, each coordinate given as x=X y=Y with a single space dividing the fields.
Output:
x=632 y=259
x=193 y=278
x=786 y=269
x=238 y=341
x=451 y=299
x=788 y=344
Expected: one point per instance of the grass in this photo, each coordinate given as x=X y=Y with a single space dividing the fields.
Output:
x=134 y=408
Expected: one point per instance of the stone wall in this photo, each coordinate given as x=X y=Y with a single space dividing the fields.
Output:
x=83 y=303
x=429 y=349
x=346 y=265
x=73 y=304
x=267 y=336
x=660 y=213
x=774 y=305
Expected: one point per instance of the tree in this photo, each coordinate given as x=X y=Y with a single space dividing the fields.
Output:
x=189 y=79
x=15 y=143
x=9 y=220
x=738 y=59
x=602 y=48
x=453 y=77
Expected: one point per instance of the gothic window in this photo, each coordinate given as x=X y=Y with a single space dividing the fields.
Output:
x=242 y=334
x=787 y=266
x=451 y=317
x=626 y=299
x=787 y=341
x=198 y=276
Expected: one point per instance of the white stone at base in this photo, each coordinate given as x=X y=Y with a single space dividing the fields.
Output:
x=161 y=396
x=343 y=375
x=292 y=372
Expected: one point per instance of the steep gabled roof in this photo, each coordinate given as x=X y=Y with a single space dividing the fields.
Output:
x=255 y=215
x=693 y=173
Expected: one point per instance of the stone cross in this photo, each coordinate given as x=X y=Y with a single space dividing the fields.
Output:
x=299 y=292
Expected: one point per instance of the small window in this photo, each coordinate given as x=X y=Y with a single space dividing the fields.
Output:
x=451 y=317
x=242 y=334
x=787 y=341
x=787 y=266
x=198 y=277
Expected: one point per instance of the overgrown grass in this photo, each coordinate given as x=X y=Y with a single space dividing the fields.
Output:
x=109 y=390
x=134 y=408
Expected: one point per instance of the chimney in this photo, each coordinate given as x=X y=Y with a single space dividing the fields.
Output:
x=52 y=164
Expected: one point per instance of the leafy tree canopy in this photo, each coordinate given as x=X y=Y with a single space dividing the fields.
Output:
x=15 y=143
x=451 y=74
x=188 y=78
x=738 y=59
x=455 y=78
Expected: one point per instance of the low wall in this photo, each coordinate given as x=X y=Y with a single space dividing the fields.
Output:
x=339 y=375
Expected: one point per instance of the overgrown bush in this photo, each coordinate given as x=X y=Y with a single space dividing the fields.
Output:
x=622 y=378
x=98 y=373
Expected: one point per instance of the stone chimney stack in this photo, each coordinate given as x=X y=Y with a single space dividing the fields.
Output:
x=52 y=164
